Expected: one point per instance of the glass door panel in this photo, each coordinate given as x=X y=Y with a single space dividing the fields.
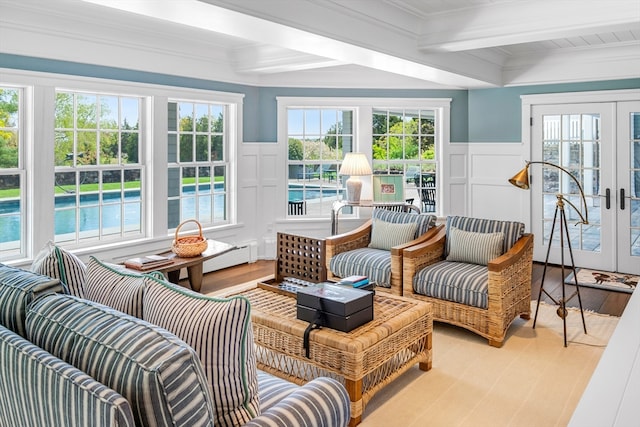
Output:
x=628 y=192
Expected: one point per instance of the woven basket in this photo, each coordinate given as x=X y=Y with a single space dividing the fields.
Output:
x=189 y=246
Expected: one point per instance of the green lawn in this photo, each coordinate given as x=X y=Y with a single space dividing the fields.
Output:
x=87 y=188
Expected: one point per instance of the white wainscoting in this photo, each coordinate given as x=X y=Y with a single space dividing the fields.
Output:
x=490 y=194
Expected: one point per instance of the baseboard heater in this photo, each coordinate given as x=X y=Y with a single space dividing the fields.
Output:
x=247 y=252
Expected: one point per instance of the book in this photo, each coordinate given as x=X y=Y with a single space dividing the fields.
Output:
x=352 y=280
x=148 y=262
x=361 y=283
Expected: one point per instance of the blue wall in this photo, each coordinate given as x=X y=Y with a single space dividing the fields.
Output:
x=268 y=104
x=495 y=114
x=478 y=115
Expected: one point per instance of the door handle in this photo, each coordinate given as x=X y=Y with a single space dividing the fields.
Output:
x=622 y=199
x=608 y=198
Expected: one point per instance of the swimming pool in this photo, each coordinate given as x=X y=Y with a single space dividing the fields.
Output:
x=107 y=214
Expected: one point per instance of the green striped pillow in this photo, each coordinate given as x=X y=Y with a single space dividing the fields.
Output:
x=386 y=235
x=474 y=248
x=220 y=332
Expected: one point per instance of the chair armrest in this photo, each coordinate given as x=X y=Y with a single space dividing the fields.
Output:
x=513 y=255
x=398 y=250
x=509 y=284
x=417 y=257
x=322 y=402
x=354 y=239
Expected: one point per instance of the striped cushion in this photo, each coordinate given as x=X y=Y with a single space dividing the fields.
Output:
x=322 y=402
x=373 y=263
x=220 y=331
x=157 y=373
x=424 y=221
x=454 y=281
x=52 y=391
x=512 y=230
x=57 y=263
x=272 y=390
x=17 y=289
x=386 y=235
x=116 y=288
x=475 y=248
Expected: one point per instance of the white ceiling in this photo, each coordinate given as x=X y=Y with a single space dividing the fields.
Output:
x=340 y=43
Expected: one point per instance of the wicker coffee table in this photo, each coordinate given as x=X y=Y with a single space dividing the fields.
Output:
x=364 y=360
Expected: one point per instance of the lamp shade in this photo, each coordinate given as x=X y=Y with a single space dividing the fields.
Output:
x=355 y=164
x=521 y=179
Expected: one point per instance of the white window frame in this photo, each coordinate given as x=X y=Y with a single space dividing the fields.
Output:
x=363 y=122
x=39 y=96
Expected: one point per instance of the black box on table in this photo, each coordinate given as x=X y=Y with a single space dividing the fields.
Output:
x=341 y=307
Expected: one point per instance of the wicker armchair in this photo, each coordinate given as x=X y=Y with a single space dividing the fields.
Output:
x=349 y=253
x=484 y=299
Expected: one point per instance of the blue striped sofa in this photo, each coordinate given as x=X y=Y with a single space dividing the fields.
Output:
x=476 y=273
x=352 y=253
x=71 y=361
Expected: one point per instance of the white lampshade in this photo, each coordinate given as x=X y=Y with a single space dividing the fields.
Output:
x=354 y=165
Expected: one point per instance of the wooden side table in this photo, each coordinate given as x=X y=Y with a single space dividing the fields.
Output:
x=193 y=264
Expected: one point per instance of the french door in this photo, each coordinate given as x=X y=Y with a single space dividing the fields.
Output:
x=599 y=144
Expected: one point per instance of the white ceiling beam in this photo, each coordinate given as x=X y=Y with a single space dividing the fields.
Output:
x=498 y=24
x=272 y=59
x=208 y=17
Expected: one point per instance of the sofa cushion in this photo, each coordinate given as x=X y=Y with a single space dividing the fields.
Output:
x=220 y=331
x=472 y=247
x=17 y=289
x=156 y=372
x=512 y=230
x=58 y=263
x=373 y=263
x=115 y=287
x=322 y=401
x=454 y=281
x=386 y=235
x=424 y=221
x=53 y=390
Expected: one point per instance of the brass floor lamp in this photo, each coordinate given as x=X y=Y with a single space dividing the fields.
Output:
x=521 y=180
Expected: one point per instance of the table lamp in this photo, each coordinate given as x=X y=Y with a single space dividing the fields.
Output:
x=521 y=180
x=354 y=165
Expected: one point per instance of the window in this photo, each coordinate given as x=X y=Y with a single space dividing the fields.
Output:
x=198 y=163
x=98 y=171
x=402 y=136
x=317 y=139
x=404 y=142
x=12 y=174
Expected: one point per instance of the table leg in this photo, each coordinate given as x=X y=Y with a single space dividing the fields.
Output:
x=174 y=276
x=195 y=276
x=354 y=389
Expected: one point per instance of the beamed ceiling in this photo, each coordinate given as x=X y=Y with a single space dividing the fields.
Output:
x=338 y=43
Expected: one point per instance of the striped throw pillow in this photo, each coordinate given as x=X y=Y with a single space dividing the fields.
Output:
x=57 y=263
x=18 y=289
x=114 y=287
x=156 y=372
x=386 y=235
x=474 y=248
x=220 y=332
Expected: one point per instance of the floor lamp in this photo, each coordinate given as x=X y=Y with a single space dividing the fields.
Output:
x=521 y=180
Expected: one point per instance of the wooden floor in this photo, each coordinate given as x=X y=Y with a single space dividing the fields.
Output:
x=601 y=301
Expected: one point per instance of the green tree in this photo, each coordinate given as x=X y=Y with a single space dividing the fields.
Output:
x=295 y=149
x=8 y=138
